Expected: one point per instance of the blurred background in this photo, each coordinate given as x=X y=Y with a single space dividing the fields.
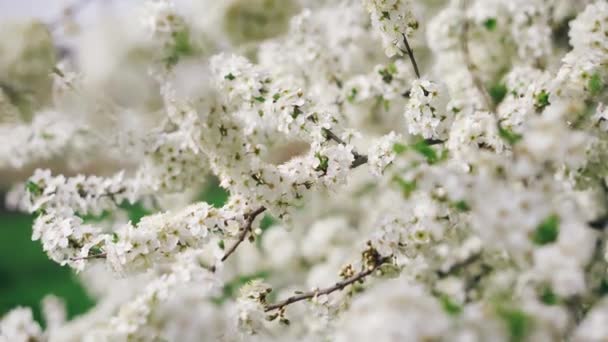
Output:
x=26 y=273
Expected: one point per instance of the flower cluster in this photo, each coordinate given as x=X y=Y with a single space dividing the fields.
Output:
x=290 y=170
x=394 y=20
x=425 y=113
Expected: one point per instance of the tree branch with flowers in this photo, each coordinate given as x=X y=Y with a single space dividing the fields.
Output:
x=397 y=170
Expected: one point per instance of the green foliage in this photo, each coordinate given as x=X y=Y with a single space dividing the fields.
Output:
x=33 y=188
x=498 y=92
x=27 y=274
x=508 y=135
x=542 y=100
x=518 y=322
x=407 y=187
x=399 y=148
x=423 y=148
x=547 y=231
x=449 y=306
x=353 y=95
x=181 y=47
x=548 y=297
x=323 y=162
x=267 y=222
x=490 y=24
x=461 y=206
x=387 y=73
x=595 y=84
x=213 y=193
x=427 y=151
x=135 y=211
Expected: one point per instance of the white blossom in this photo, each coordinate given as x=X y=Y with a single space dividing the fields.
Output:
x=19 y=325
x=425 y=113
x=393 y=18
x=313 y=170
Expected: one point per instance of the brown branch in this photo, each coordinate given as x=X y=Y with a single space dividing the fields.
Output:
x=249 y=218
x=336 y=287
x=410 y=53
x=331 y=135
x=466 y=52
x=360 y=159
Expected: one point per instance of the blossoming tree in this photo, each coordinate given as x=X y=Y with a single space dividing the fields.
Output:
x=398 y=170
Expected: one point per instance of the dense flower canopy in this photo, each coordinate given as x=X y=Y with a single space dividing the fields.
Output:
x=397 y=170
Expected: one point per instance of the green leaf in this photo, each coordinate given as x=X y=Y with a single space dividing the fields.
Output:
x=508 y=135
x=386 y=75
x=181 y=47
x=490 y=24
x=427 y=151
x=449 y=306
x=461 y=206
x=259 y=98
x=518 y=322
x=399 y=148
x=595 y=84
x=542 y=100
x=323 y=162
x=230 y=77
x=548 y=297
x=602 y=290
x=296 y=112
x=498 y=92
x=33 y=188
x=392 y=68
x=353 y=94
x=547 y=231
x=95 y=250
x=407 y=187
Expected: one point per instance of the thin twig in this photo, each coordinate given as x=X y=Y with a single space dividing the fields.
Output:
x=331 y=135
x=89 y=257
x=410 y=53
x=249 y=218
x=360 y=159
x=599 y=223
x=466 y=52
x=432 y=142
x=459 y=265
x=336 y=287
